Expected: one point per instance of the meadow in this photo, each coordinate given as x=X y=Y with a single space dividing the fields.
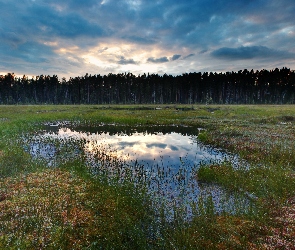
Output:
x=67 y=207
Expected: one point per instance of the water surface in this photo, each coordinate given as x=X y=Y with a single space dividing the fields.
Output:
x=163 y=158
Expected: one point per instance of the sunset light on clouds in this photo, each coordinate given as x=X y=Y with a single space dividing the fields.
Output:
x=73 y=37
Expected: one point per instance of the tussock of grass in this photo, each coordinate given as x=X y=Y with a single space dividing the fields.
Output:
x=265 y=183
x=14 y=161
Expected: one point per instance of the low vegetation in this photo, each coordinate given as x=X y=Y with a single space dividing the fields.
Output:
x=66 y=207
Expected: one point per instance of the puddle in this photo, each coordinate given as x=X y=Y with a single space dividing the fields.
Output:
x=163 y=158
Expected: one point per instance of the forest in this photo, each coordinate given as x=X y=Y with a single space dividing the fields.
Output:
x=275 y=86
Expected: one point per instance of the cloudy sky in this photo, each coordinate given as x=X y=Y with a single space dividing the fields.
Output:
x=75 y=37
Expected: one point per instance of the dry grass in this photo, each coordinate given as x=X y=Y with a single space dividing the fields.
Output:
x=58 y=209
x=39 y=207
x=282 y=234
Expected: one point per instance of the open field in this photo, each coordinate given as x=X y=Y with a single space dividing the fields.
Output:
x=68 y=208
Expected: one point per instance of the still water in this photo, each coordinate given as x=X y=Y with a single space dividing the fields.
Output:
x=163 y=158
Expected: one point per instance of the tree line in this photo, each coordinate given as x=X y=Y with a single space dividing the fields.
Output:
x=243 y=87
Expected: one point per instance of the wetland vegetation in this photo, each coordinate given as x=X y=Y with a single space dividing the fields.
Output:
x=71 y=205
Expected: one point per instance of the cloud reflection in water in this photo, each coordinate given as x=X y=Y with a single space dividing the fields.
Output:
x=169 y=159
x=150 y=147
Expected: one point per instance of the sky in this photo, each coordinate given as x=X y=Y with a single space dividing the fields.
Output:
x=70 y=38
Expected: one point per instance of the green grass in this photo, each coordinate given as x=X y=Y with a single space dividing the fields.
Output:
x=68 y=208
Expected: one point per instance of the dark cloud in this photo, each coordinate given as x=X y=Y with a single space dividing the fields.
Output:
x=175 y=57
x=85 y=4
x=139 y=40
x=158 y=60
x=124 y=61
x=11 y=38
x=30 y=52
x=192 y=26
x=188 y=56
x=203 y=51
x=249 y=52
x=102 y=50
x=49 y=22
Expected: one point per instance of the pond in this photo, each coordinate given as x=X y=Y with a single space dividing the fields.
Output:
x=162 y=158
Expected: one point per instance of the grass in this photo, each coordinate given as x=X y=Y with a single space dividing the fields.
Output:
x=68 y=208
x=59 y=209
